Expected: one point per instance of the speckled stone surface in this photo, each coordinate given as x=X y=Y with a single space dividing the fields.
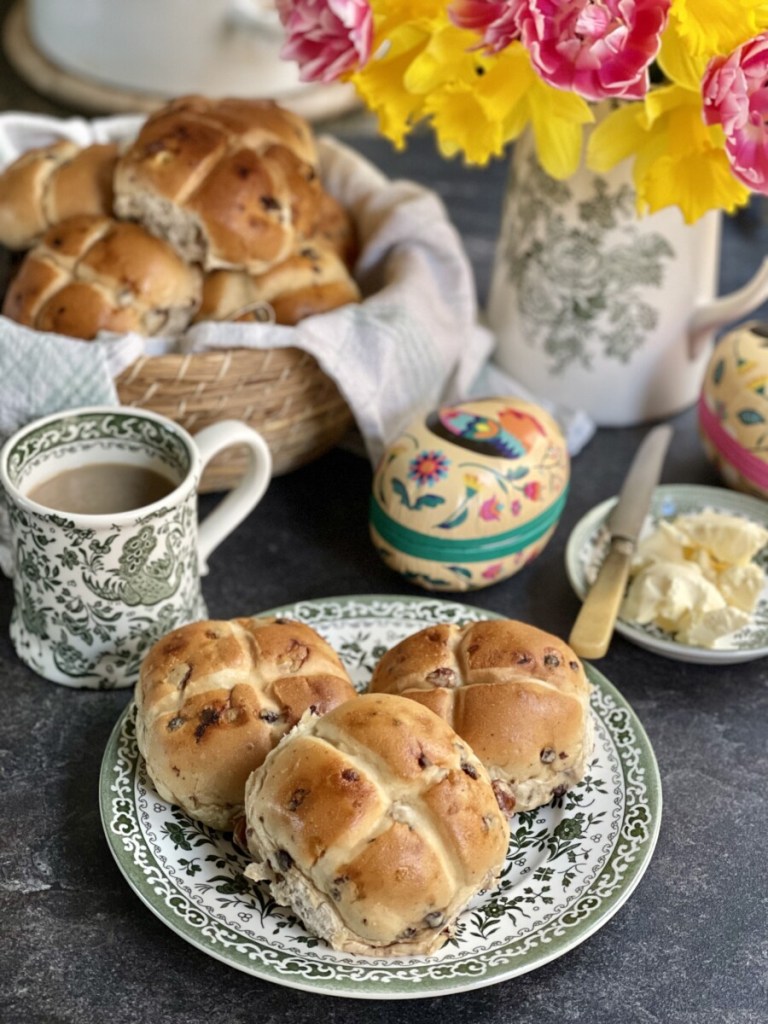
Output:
x=689 y=947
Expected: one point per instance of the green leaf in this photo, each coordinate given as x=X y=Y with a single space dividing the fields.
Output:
x=177 y=836
x=456 y=521
x=430 y=500
x=400 y=490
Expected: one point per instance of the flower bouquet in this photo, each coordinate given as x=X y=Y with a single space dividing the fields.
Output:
x=687 y=81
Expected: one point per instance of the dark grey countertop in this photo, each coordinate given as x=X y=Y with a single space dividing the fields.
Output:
x=690 y=945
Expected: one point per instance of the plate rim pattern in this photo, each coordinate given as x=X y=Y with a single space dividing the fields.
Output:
x=404 y=977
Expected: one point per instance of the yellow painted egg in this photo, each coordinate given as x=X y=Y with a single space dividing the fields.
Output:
x=469 y=494
x=733 y=409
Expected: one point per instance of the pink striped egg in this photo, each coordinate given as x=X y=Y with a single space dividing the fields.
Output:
x=733 y=408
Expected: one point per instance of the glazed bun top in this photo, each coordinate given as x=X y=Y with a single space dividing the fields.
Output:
x=229 y=183
x=518 y=695
x=377 y=824
x=214 y=697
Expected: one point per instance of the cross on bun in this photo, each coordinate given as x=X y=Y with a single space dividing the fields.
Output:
x=377 y=824
x=230 y=183
x=214 y=697
x=312 y=280
x=49 y=184
x=518 y=696
x=91 y=274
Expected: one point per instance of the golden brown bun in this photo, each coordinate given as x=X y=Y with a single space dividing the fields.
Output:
x=256 y=123
x=310 y=281
x=47 y=185
x=213 y=698
x=229 y=183
x=91 y=274
x=376 y=824
x=333 y=228
x=517 y=695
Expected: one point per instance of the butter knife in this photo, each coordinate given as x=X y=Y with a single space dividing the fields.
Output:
x=593 y=628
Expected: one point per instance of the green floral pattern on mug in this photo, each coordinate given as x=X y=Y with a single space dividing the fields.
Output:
x=154 y=572
x=126 y=431
x=93 y=593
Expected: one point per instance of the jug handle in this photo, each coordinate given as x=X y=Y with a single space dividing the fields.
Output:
x=727 y=309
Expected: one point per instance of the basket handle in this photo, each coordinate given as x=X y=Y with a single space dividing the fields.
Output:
x=240 y=501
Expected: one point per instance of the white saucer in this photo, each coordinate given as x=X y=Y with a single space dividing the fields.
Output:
x=588 y=542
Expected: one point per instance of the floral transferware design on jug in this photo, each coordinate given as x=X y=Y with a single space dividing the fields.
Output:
x=596 y=308
x=581 y=290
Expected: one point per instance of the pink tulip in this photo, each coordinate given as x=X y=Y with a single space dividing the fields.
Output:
x=596 y=49
x=497 y=21
x=326 y=38
x=735 y=91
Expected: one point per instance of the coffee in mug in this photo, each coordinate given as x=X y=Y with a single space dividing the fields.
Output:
x=104 y=487
x=107 y=551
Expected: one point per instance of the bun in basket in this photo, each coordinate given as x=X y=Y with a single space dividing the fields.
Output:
x=376 y=824
x=214 y=697
x=47 y=185
x=229 y=183
x=312 y=280
x=517 y=695
x=91 y=274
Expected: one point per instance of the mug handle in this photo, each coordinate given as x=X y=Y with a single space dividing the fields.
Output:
x=233 y=508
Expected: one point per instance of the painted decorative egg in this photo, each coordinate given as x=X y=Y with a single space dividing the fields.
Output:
x=733 y=408
x=469 y=494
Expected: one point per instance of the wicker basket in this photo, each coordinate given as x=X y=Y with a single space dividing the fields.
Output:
x=281 y=392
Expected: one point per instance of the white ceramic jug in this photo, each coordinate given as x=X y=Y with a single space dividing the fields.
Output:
x=596 y=308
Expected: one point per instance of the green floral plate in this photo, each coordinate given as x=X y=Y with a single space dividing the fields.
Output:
x=570 y=866
x=588 y=544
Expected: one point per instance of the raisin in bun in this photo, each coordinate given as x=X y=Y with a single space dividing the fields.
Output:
x=229 y=183
x=377 y=824
x=312 y=280
x=91 y=274
x=517 y=695
x=49 y=184
x=213 y=698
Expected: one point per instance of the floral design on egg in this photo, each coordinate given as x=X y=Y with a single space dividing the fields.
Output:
x=466 y=493
x=429 y=467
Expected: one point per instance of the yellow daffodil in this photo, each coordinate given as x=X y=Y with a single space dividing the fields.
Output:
x=700 y=29
x=678 y=160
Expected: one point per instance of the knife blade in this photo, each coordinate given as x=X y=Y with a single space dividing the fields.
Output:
x=593 y=628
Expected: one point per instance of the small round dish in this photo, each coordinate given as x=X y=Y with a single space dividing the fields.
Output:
x=589 y=541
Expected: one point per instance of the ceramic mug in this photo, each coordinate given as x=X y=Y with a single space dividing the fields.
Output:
x=107 y=551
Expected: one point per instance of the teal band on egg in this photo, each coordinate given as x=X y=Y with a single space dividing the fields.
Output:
x=437 y=549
